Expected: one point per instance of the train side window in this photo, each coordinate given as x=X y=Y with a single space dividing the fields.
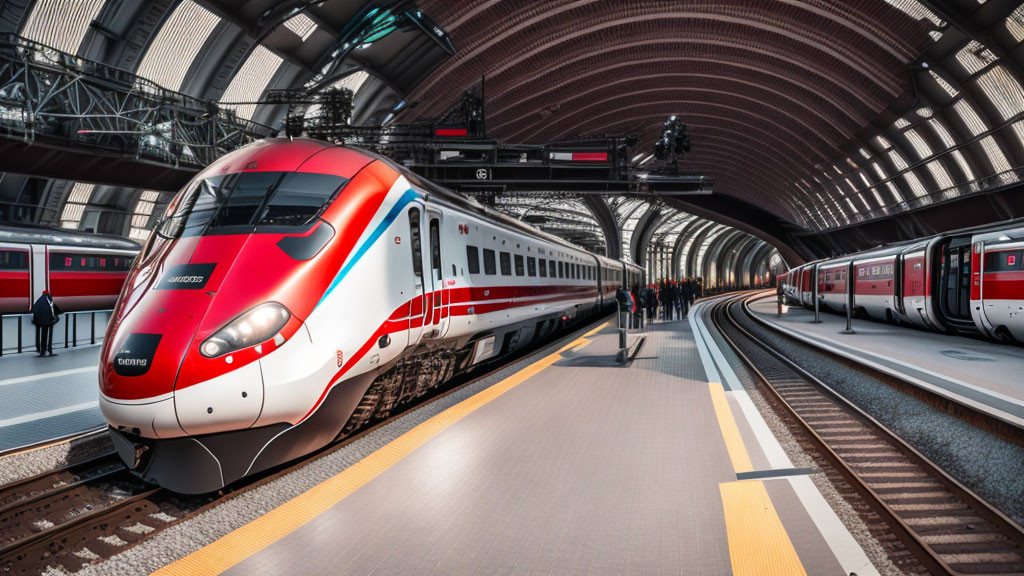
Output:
x=531 y=266
x=489 y=268
x=561 y=269
x=543 y=268
x=520 y=270
x=551 y=269
x=505 y=259
x=13 y=260
x=473 y=258
x=415 y=242
x=435 y=247
x=1003 y=261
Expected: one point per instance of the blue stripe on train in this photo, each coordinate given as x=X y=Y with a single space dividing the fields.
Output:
x=400 y=205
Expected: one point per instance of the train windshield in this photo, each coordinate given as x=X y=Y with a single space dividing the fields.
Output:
x=251 y=202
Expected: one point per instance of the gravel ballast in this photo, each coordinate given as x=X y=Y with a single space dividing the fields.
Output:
x=35 y=461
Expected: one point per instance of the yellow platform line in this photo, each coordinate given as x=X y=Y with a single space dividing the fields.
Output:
x=758 y=542
x=730 y=432
x=249 y=539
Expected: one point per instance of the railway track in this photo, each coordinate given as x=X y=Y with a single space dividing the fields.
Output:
x=90 y=511
x=945 y=525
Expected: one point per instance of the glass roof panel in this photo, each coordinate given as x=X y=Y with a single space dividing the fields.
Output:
x=1003 y=91
x=975 y=56
x=177 y=44
x=61 y=24
x=251 y=80
x=301 y=24
x=970 y=117
x=944 y=85
x=74 y=208
x=1015 y=23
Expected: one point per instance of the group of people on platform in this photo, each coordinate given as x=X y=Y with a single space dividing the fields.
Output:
x=672 y=297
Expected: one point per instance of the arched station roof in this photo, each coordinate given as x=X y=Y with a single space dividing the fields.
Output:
x=832 y=124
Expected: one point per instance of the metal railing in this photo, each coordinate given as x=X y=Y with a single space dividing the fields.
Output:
x=20 y=327
x=46 y=94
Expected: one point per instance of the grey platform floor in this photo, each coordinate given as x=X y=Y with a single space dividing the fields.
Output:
x=584 y=468
x=46 y=398
x=987 y=375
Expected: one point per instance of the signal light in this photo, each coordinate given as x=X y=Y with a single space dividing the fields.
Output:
x=674 y=141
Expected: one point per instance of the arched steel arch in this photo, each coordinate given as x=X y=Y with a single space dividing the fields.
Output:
x=686 y=246
x=606 y=220
x=741 y=261
x=694 y=251
x=729 y=258
x=713 y=255
x=642 y=233
x=761 y=255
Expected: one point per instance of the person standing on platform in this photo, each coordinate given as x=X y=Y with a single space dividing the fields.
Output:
x=651 y=301
x=44 y=316
x=623 y=300
x=686 y=289
x=666 y=301
x=637 y=314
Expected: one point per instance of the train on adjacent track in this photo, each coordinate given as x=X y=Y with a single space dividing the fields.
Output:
x=969 y=282
x=81 y=271
x=295 y=290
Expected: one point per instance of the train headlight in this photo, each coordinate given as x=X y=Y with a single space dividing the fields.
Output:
x=256 y=325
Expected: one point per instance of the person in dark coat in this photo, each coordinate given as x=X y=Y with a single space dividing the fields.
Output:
x=686 y=289
x=44 y=316
x=651 y=300
x=666 y=301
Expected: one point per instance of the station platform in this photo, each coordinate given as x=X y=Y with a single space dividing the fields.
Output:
x=573 y=464
x=987 y=376
x=48 y=398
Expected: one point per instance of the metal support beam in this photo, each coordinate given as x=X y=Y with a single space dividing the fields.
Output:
x=606 y=220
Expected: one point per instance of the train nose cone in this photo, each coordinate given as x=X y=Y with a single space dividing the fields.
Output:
x=168 y=303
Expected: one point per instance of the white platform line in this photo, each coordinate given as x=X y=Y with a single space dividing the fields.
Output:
x=769 y=444
x=47 y=414
x=844 y=546
x=44 y=375
x=841 y=542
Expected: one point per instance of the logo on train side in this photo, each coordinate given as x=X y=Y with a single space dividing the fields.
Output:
x=463 y=229
x=136 y=355
x=341 y=358
x=186 y=277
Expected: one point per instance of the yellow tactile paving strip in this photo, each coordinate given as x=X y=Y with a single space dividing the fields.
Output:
x=245 y=541
x=758 y=542
x=730 y=432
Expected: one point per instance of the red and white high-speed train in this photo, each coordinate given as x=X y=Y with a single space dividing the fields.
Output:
x=81 y=271
x=294 y=290
x=971 y=282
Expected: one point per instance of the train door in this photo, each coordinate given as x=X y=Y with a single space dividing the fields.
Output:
x=955 y=280
x=440 y=296
x=39 y=276
x=897 y=283
x=418 y=304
